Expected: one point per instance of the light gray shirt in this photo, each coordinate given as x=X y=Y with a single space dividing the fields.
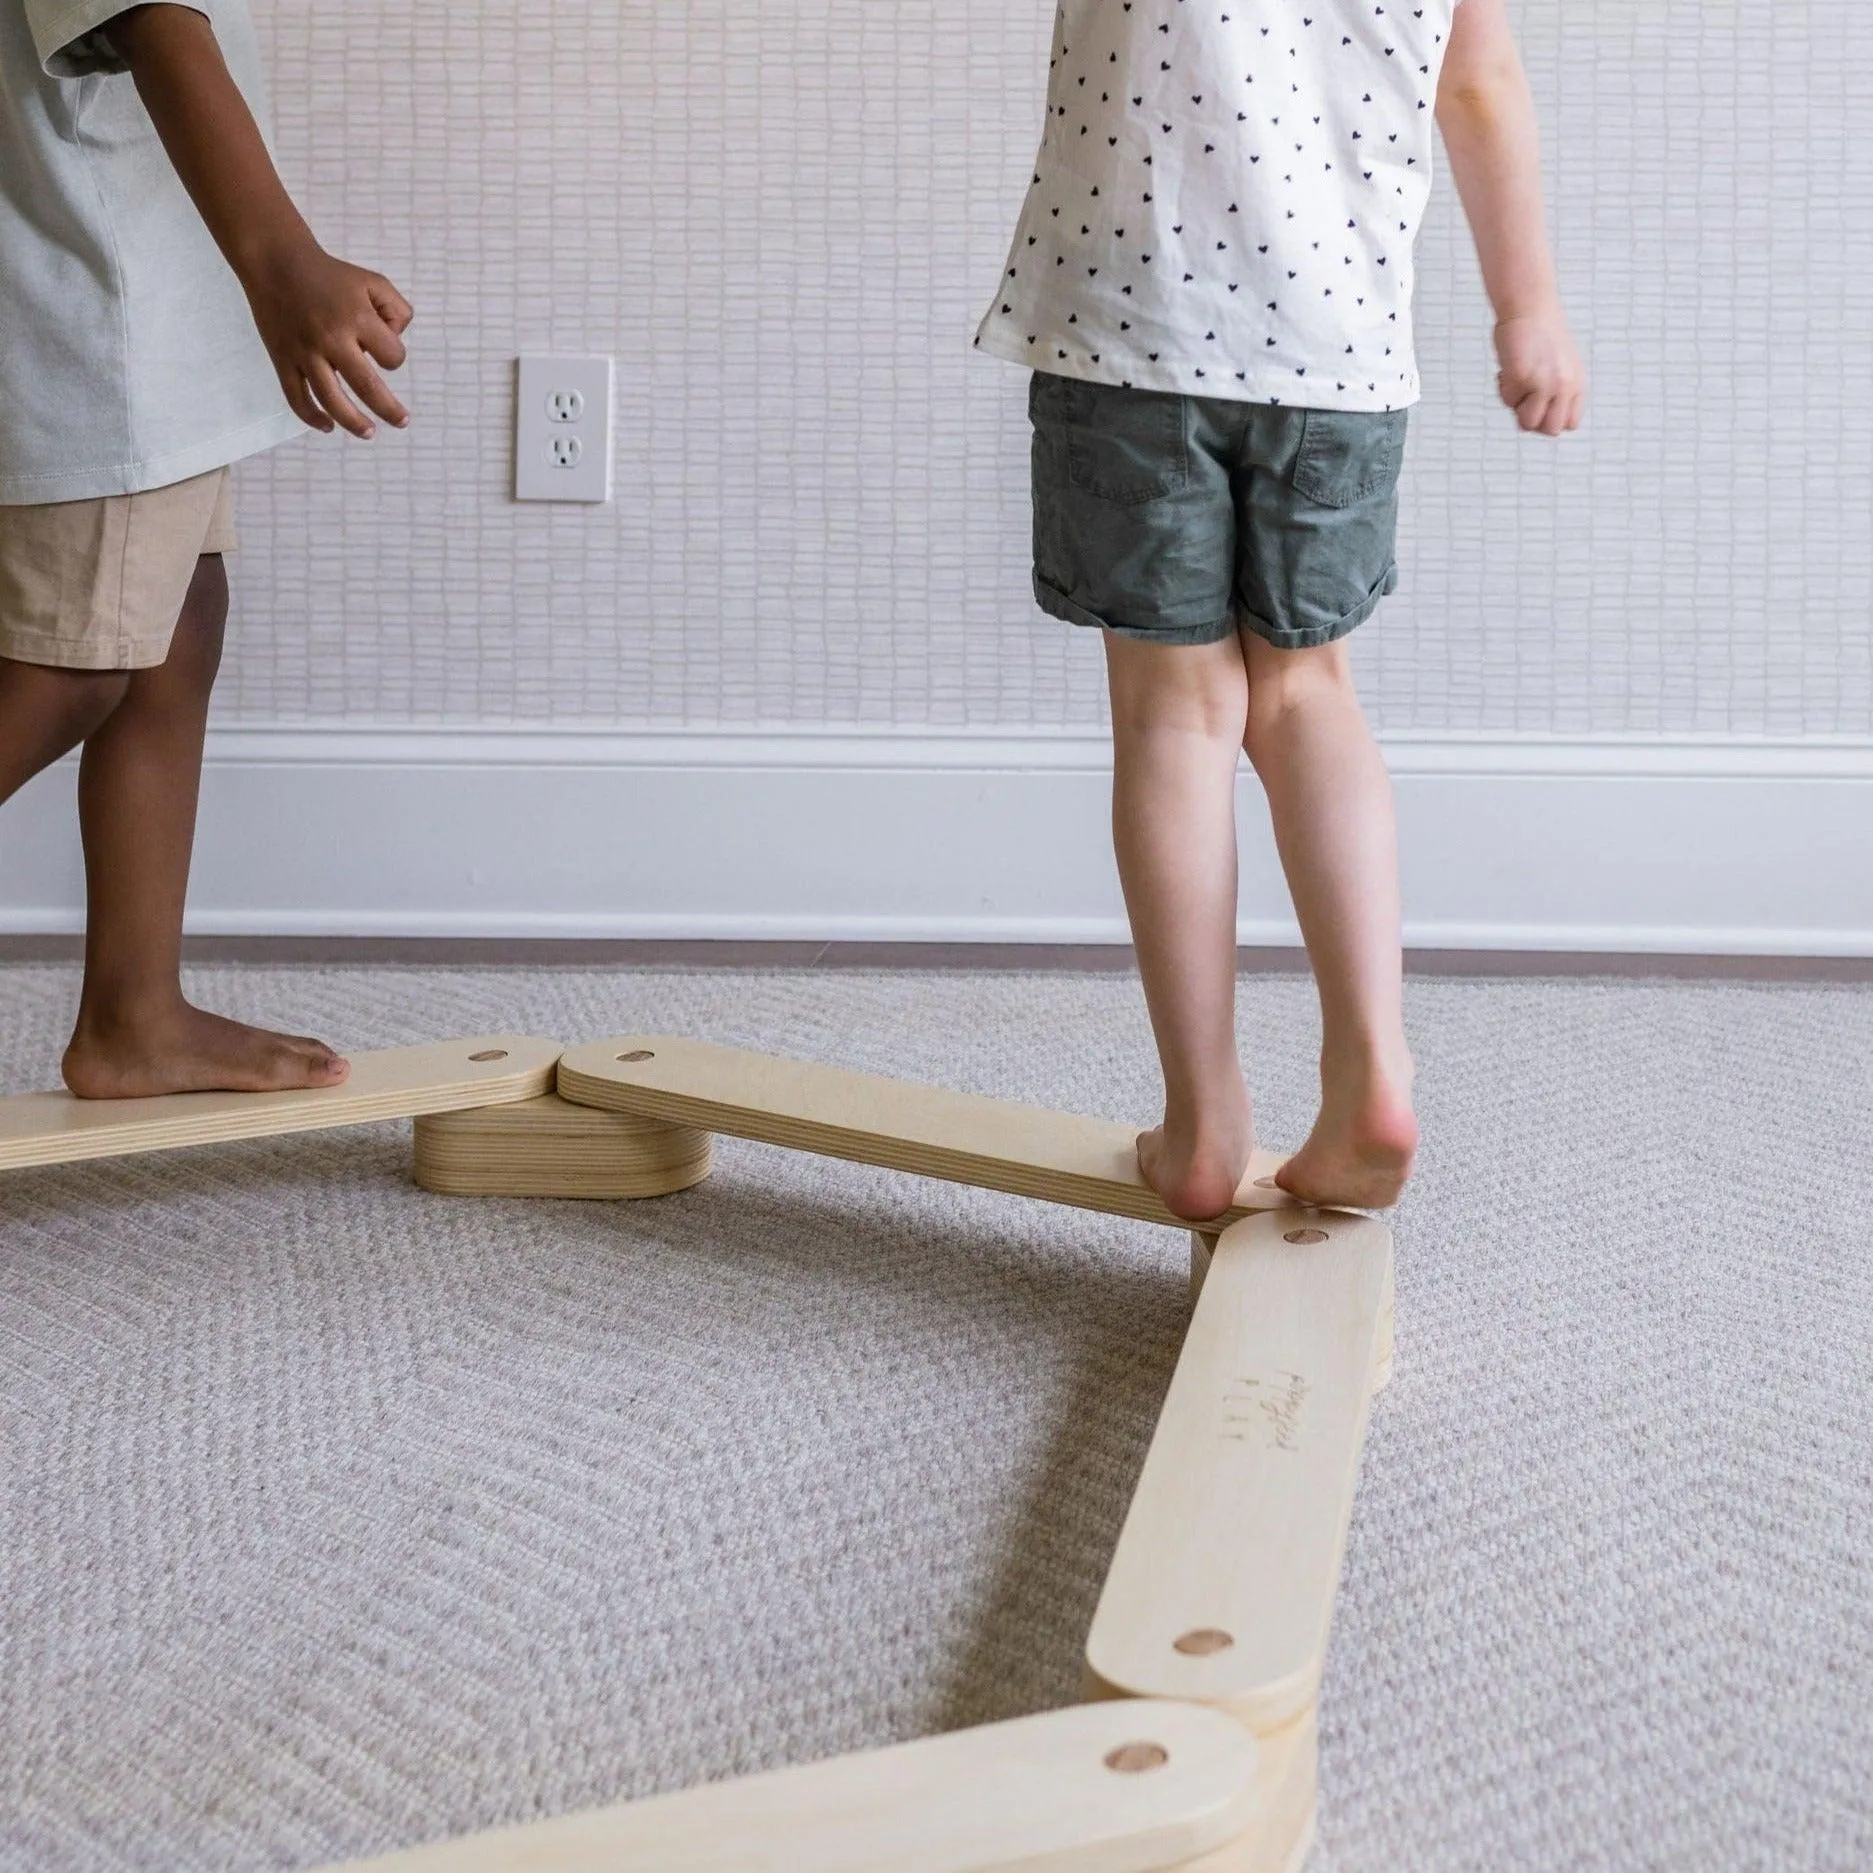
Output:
x=128 y=357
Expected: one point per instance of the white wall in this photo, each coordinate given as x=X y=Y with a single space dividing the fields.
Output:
x=782 y=218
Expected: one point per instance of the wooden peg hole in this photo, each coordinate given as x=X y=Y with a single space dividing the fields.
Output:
x=632 y=1059
x=1306 y=1237
x=492 y=1053
x=1137 y=1758
x=1205 y=1642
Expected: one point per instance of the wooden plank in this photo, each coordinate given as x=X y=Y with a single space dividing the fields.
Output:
x=1097 y=1788
x=396 y=1083
x=1222 y=1587
x=1388 y=1330
x=1203 y=1247
x=995 y=1144
x=1288 y=1783
x=547 y=1147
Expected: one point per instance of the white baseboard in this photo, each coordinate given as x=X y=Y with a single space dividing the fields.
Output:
x=1693 y=847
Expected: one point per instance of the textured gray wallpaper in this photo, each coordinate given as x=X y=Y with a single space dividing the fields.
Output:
x=783 y=217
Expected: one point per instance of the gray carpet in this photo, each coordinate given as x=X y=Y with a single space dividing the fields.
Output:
x=338 y=1516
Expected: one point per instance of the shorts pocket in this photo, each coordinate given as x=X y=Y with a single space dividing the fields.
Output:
x=1348 y=456
x=1129 y=447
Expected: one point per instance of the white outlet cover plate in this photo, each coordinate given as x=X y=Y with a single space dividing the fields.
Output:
x=562 y=435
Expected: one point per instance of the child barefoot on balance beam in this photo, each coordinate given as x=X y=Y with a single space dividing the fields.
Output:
x=131 y=375
x=1212 y=282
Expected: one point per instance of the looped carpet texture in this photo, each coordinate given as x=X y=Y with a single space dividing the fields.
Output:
x=337 y=1516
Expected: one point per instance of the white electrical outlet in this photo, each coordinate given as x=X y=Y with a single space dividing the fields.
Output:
x=562 y=440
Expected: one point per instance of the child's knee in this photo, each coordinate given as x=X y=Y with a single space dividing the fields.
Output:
x=1284 y=681
x=47 y=711
x=87 y=700
x=1188 y=689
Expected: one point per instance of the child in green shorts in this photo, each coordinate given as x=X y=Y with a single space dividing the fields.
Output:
x=136 y=363
x=1212 y=282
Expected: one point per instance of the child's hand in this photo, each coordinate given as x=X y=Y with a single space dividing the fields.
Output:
x=327 y=325
x=1542 y=379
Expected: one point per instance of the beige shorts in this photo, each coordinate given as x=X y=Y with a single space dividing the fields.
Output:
x=99 y=584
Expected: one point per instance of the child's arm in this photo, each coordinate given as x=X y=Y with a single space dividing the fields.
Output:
x=322 y=320
x=1487 y=114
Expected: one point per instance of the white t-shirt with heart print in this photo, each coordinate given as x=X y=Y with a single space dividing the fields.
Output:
x=1226 y=200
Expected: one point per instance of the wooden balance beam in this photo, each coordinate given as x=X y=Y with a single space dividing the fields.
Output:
x=994 y=1144
x=1098 y=1788
x=1222 y=1587
x=397 y=1083
x=679 y=1091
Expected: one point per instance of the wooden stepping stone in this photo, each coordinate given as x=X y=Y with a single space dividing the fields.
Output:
x=1097 y=1788
x=1222 y=1587
x=548 y=1147
x=397 y=1083
x=994 y=1144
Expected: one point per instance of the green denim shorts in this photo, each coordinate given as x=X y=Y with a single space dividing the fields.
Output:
x=1179 y=519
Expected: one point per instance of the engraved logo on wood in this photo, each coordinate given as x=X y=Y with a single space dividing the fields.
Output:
x=1266 y=1411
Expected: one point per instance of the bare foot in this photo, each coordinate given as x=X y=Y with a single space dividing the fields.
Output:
x=1197 y=1172
x=184 y=1050
x=1360 y=1153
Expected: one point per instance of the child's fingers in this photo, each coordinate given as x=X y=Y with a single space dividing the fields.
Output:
x=1532 y=411
x=344 y=412
x=372 y=390
x=1566 y=414
x=381 y=342
x=300 y=402
x=1522 y=386
x=392 y=307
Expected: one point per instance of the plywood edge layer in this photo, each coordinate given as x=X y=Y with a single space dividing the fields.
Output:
x=994 y=1144
x=1386 y=1358
x=390 y=1083
x=1105 y=1788
x=1223 y=1582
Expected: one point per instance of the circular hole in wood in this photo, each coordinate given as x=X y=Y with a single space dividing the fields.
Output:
x=642 y=1053
x=490 y=1053
x=1205 y=1642
x=1306 y=1237
x=1137 y=1758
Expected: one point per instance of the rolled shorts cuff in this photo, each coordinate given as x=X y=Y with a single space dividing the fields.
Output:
x=1311 y=637
x=1056 y=604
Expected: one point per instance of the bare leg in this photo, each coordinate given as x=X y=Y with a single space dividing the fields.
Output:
x=46 y=713
x=1178 y=715
x=137 y=792
x=1331 y=799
